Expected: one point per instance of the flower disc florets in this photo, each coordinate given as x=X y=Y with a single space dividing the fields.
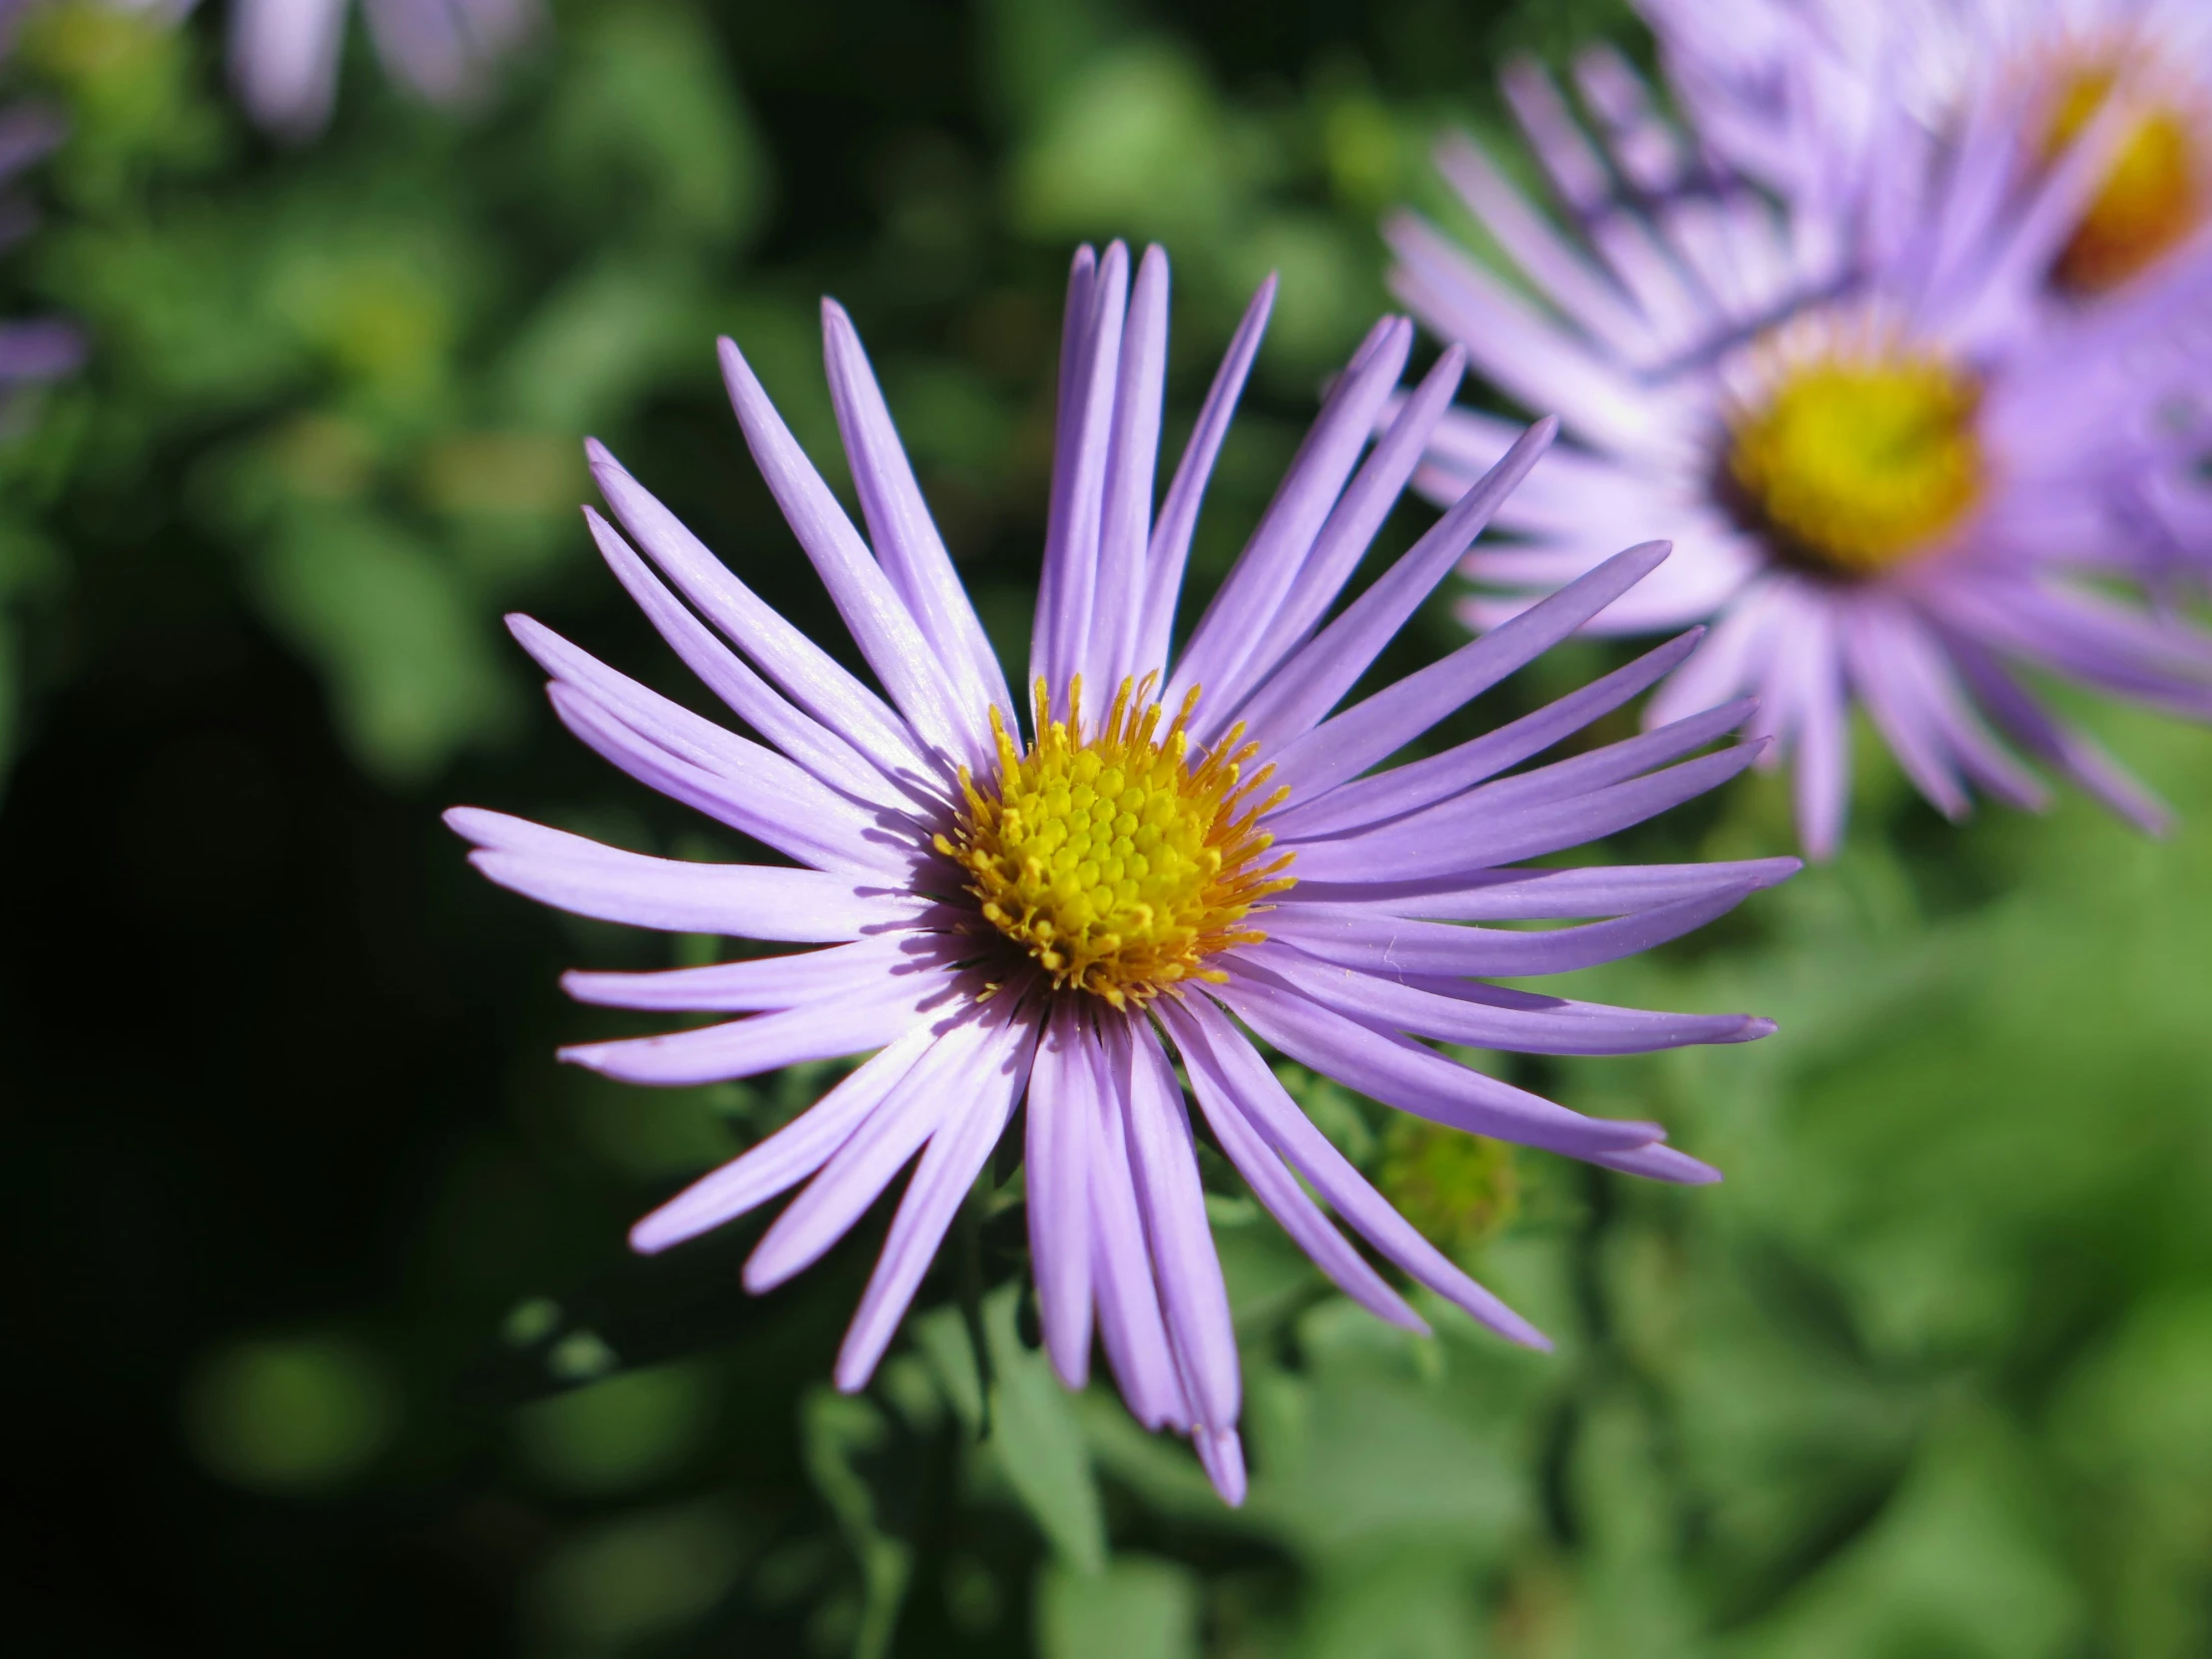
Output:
x=1116 y=863
x=1860 y=457
x=2151 y=195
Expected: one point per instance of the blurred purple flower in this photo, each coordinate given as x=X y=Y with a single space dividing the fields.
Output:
x=285 y=54
x=1743 y=66
x=1053 y=917
x=1886 y=463
x=42 y=348
x=1750 y=70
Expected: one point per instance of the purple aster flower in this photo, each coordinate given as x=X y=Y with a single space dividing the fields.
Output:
x=1742 y=65
x=1885 y=468
x=285 y=54
x=1176 y=849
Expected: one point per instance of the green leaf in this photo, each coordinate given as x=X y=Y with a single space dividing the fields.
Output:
x=1038 y=1444
x=1140 y=1608
x=864 y=1469
x=410 y=663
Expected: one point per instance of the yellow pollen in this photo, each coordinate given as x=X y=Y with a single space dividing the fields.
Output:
x=2151 y=197
x=1113 y=861
x=1858 y=460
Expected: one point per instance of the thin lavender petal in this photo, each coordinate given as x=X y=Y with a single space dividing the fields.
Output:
x=806 y=740
x=956 y=1155
x=809 y=675
x=1317 y=676
x=1130 y=1324
x=786 y=1157
x=881 y=625
x=1286 y=1200
x=1164 y=1159
x=1171 y=533
x=1219 y=656
x=1563 y=1029
x=1548 y=894
x=1401 y=1074
x=1449 y=839
x=1359 y=939
x=945 y=1074
x=763 y=983
x=765 y=1042
x=1259 y=1094
x=1062 y=1090
x=1066 y=598
x=1344 y=541
x=1423 y=783
x=759 y=902
x=1126 y=531
x=905 y=536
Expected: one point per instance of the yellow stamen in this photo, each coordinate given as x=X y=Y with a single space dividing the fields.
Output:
x=1859 y=459
x=1113 y=861
x=2151 y=197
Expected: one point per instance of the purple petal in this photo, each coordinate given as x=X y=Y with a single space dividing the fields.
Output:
x=1659 y=1163
x=1088 y=381
x=1451 y=839
x=1286 y=1200
x=1559 y=271
x=1063 y=1090
x=765 y=983
x=711 y=793
x=1558 y=1027
x=1378 y=726
x=1164 y=1159
x=1402 y=1073
x=948 y=1072
x=876 y=617
x=1219 y=655
x=809 y=675
x=757 y=901
x=1345 y=539
x=1200 y=1029
x=1548 y=894
x=1359 y=939
x=1171 y=534
x=807 y=740
x=1423 y=783
x=765 y=1042
x=1129 y=1320
x=786 y=1157
x=956 y=1155
x=754 y=790
x=1317 y=676
x=1221 y=1456
x=1126 y=528
x=2075 y=753
x=898 y=521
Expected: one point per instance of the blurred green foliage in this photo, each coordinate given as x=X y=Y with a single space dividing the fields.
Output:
x=322 y=1286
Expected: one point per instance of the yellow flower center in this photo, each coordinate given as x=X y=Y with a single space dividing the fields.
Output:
x=1855 y=462
x=2151 y=195
x=1113 y=861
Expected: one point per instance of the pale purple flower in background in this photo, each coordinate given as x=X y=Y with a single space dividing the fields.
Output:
x=1883 y=469
x=32 y=350
x=1745 y=68
x=1187 y=846
x=285 y=54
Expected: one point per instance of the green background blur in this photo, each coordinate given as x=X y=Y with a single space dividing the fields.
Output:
x=319 y=1334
